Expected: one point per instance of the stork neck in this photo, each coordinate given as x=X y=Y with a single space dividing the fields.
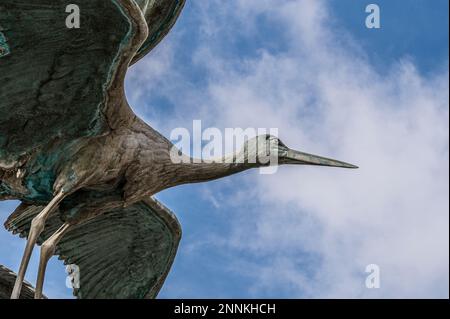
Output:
x=198 y=172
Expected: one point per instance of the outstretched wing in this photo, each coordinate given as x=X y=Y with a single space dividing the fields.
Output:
x=58 y=82
x=124 y=254
x=161 y=16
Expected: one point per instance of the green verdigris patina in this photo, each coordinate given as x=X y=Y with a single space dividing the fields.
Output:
x=56 y=73
x=4 y=48
x=83 y=164
x=56 y=91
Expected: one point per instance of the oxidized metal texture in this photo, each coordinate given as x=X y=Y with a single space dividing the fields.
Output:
x=124 y=253
x=55 y=81
x=7 y=278
x=82 y=163
x=160 y=15
x=63 y=116
x=4 y=47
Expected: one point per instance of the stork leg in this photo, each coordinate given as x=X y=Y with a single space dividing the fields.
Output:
x=47 y=250
x=37 y=226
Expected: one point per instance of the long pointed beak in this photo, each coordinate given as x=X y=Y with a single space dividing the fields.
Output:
x=300 y=158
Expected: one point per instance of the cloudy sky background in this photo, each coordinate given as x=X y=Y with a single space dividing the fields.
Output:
x=375 y=98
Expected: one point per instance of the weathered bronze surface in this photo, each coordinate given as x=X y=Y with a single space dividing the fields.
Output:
x=82 y=163
x=124 y=253
x=7 y=278
x=160 y=16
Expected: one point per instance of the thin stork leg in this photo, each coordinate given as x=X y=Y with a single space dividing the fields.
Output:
x=37 y=226
x=47 y=250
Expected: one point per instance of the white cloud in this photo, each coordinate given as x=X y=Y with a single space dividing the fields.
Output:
x=326 y=98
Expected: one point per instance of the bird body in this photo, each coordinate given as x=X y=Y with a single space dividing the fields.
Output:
x=130 y=159
x=120 y=154
x=81 y=162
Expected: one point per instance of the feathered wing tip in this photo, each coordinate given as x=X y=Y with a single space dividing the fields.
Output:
x=7 y=279
x=124 y=254
x=161 y=16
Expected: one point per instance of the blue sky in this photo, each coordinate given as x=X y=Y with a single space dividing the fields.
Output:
x=378 y=98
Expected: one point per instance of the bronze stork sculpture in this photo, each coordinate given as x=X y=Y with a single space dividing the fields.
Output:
x=81 y=162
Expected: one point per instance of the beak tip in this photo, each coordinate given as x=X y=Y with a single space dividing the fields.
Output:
x=297 y=157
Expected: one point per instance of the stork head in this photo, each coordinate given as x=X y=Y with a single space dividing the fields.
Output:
x=265 y=150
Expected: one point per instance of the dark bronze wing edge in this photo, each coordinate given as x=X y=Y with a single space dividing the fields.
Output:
x=162 y=32
x=7 y=279
x=174 y=225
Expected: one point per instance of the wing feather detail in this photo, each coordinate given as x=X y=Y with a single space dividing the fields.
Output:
x=124 y=254
x=161 y=16
x=7 y=279
x=61 y=83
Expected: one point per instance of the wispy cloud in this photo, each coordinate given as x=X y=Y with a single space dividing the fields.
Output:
x=304 y=232
x=316 y=229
